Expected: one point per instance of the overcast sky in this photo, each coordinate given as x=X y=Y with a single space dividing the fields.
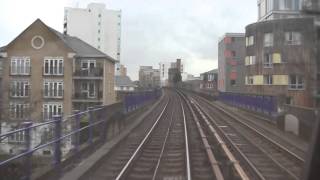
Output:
x=152 y=30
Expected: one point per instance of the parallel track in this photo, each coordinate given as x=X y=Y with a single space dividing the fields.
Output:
x=261 y=155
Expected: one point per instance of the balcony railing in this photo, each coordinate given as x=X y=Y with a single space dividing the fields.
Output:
x=87 y=96
x=92 y=72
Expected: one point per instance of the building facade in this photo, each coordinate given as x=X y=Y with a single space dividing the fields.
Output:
x=46 y=73
x=278 y=9
x=281 y=60
x=149 y=78
x=98 y=26
x=209 y=80
x=231 y=54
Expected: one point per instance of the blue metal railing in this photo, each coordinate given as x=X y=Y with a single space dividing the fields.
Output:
x=259 y=103
x=94 y=117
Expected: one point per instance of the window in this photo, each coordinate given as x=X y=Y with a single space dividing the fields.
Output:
x=53 y=66
x=289 y=100
x=98 y=39
x=296 y=82
x=20 y=88
x=232 y=82
x=293 y=38
x=99 y=15
x=51 y=109
x=53 y=89
x=267 y=62
x=20 y=66
x=249 y=80
x=18 y=137
x=249 y=40
x=267 y=79
x=88 y=90
x=286 y=5
x=19 y=111
x=250 y=60
x=268 y=40
x=99 y=31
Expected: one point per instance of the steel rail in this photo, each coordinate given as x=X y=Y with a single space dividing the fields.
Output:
x=261 y=149
x=230 y=156
x=130 y=161
x=162 y=148
x=186 y=142
x=257 y=132
x=213 y=162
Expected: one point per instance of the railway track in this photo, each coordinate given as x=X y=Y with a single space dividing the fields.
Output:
x=262 y=157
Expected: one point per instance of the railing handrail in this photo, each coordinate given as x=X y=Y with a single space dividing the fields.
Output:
x=57 y=120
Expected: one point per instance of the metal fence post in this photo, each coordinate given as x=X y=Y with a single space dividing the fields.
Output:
x=90 y=122
x=77 y=134
x=57 y=145
x=28 y=159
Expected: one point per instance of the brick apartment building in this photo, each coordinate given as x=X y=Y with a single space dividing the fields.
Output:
x=46 y=73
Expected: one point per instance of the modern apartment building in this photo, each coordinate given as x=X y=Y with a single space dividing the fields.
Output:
x=98 y=26
x=149 y=78
x=278 y=9
x=231 y=55
x=282 y=60
x=46 y=73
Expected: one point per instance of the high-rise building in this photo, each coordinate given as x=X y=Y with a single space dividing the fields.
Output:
x=98 y=26
x=231 y=54
x=277 y=9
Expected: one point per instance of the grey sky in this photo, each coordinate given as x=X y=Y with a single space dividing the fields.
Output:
x=152 y=30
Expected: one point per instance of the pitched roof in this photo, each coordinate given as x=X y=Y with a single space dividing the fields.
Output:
x=81 y=48
x=212 y=71
x=123 y=81
x=2 y=48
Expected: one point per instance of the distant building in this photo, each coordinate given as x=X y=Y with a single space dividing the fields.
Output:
x=164 y=70
x=149 y=78
x=46 y=73
x=311 y=6
x=124 y=83
x=122 y=71
x=164 y=73
x=282 y=60
x=209 y=80
x=231 y=54
x=278 y=9
x=98 y=26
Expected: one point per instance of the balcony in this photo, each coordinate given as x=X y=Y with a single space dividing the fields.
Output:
x=92 y=73
x=87 y=97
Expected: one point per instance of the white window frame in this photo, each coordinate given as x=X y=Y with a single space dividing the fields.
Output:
x=20 y=88
x=53 y=88
x=53 y=66
x=268 y=64
x=88 y=62
x=293 y=38
x=19 y=110
x=87 y=90
x=267 y=79
x=51 y=109
x=1 y=66
x=20 y=66
x=297 y=85
x=268 y=40
x=249 y=41
x=18 y=137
